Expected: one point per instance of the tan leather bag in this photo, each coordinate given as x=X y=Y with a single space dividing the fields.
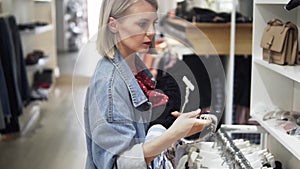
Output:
x=280 y=43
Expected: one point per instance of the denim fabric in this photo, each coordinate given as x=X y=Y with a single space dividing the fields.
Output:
x=115 y=118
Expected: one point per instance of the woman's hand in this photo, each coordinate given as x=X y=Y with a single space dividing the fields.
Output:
x=188 y=124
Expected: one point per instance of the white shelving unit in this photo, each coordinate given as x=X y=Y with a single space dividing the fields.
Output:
x=274 y=85
x=38 y=30
x=42 y=37
x=41 y=63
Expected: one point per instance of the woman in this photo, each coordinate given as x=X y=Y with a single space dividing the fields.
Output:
x=120 y=96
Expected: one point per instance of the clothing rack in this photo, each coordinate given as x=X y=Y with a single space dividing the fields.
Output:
x=234 y=156
x=15 y=91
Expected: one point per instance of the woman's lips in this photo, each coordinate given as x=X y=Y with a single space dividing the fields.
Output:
x=147 y=43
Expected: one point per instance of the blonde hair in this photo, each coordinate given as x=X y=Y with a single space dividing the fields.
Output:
x=107 y=40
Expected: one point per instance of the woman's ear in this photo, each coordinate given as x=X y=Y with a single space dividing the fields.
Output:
x=112 y=25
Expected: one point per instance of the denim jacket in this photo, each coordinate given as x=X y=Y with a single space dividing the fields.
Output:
x=116 y=116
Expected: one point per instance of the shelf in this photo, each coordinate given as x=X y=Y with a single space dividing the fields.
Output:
x=41 y=64
x=291 y=72
x=291 y=143
x=283 y=2
x=30 y=119
x=211 y=38
x=38 y=1
x=37 y=30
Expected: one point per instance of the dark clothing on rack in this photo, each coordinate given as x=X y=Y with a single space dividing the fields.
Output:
x=202 y=78
x=242 y=82
x=169 y=80
x=4 y=101
x=15 y=76
x=22 y=80
x=168 y=85
x=207 y=15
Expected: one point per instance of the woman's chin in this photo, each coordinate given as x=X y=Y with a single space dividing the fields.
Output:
x=144 y=50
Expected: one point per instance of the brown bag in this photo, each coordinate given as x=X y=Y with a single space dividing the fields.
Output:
x=280 y=43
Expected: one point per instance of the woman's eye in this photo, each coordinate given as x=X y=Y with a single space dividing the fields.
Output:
x=143 y=24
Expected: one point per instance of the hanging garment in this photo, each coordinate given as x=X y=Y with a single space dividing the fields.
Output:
x=15 y=76
x=22 y=79
x=4 y=101
x=242 y=85
x=2 y=119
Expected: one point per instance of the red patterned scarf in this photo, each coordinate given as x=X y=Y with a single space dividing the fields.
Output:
x=148 y=88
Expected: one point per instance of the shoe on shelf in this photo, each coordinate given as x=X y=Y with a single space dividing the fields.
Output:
x=33 y=57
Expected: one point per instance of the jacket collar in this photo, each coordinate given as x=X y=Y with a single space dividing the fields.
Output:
x=137 y=95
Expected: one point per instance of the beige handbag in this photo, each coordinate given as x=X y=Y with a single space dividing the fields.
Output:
x=280 y=43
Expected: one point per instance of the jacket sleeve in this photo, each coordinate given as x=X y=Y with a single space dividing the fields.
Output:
x=132 y=158
x=114 y=144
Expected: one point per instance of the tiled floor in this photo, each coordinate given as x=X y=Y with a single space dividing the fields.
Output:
x=58 y=142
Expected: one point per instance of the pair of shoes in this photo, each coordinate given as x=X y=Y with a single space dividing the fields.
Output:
x=43 y=79
x=33 y=57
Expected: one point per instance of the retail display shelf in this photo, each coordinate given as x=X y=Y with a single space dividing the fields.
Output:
x=30 y=119
x=41 y=63
x=271 y=2
x=292 y=72
x=38 y=30
x=211 y=38
x=291 y=143
x=42 y=0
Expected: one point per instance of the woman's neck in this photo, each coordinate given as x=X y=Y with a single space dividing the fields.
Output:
x=129 y=57
x=130 y=60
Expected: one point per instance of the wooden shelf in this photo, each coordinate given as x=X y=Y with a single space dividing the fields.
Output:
x=212 y=38
x=291 y=143
x=37 y=30
x=38 y=1
x=291 y=72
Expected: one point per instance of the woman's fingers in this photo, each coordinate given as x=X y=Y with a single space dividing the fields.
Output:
x=194 y=113
x=200 y=122
x=176 y=114
x=189 y=114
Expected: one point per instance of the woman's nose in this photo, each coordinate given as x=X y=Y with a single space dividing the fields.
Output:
x=151 y=30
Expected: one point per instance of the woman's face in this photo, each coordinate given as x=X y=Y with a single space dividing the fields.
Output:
x=136 y=30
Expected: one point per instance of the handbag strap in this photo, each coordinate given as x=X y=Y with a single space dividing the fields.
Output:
x=276 y=22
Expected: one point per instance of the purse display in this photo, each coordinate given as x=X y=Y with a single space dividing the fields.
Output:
x=280 y=43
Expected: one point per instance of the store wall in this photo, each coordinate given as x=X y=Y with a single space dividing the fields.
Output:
x=93 y=16
x=166 y=6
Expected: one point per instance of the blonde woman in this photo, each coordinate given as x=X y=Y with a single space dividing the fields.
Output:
x=121 y=94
